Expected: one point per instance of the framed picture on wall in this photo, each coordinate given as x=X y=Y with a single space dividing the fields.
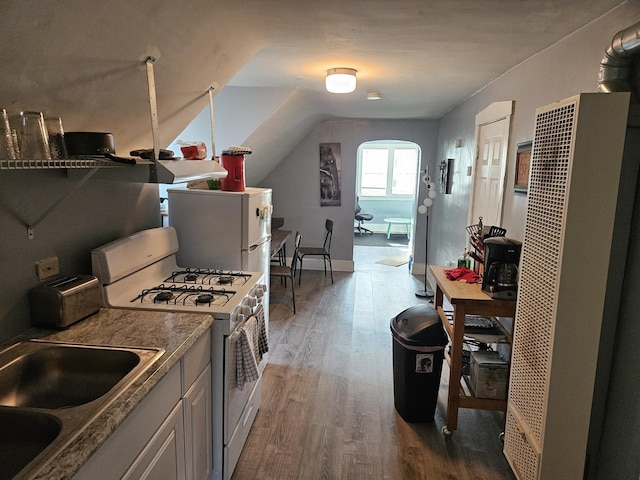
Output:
x=446 y=172
x=330 y=168
x=523 y=163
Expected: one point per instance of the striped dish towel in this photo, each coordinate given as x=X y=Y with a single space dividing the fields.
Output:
x=246 y=353
x=263 y=341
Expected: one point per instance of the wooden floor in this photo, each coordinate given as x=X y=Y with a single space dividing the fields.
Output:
x=327 y=407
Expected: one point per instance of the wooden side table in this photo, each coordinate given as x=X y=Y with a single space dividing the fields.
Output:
x=466 y=299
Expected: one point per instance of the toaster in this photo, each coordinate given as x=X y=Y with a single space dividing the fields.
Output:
x=65 y=300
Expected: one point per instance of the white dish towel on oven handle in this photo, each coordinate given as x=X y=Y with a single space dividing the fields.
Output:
x=250 y=347
x=263 y=343
x=246 y=350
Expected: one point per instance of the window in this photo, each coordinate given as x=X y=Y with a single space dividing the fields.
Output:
x=374 y=172
x=388 y=169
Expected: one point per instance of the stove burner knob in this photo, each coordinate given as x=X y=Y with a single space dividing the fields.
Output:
x=252 y=301
x=246 y=310
x=259 y=291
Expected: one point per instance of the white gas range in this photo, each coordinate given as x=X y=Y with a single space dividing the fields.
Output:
x=140 y=272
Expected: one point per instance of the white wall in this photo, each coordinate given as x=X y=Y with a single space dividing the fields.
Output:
x=296 y=180
x=569 y=67
x=238 y=112
x=98 y=212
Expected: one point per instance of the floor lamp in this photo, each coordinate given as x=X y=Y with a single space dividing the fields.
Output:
x=424 y=210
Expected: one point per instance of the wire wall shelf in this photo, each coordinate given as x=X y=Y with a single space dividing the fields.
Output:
x=67 y=163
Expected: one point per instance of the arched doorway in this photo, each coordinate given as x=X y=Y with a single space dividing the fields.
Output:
x=387 y=175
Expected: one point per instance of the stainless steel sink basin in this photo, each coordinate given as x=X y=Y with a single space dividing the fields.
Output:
x=63 y=376
x=49 y=392
x=23 y=435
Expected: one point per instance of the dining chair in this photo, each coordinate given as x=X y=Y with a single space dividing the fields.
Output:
x=289 y=272
x=324 y=251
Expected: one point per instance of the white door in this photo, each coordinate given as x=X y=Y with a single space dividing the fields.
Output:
x=490 y=167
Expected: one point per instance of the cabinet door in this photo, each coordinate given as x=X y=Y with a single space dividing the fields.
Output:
x=125 y=445
x=164 y=456
x=197 y=417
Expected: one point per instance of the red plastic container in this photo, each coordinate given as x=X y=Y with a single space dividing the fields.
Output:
x=234 y=164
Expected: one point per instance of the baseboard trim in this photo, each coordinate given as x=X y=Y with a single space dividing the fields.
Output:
x=317 y=264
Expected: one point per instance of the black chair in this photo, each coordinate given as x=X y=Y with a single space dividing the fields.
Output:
x=324 y=251
x=289 y=272
x=362 y=217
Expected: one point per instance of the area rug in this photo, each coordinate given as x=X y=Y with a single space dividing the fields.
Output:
x=394 y=261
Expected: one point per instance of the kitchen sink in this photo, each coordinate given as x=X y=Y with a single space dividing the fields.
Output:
x=23 y=435
x=63 y=376
x=50 y=391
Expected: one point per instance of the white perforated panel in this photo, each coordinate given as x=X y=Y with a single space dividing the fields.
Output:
x=541 y=259
x=525 y=456
x=539 y=277
x=567 y=286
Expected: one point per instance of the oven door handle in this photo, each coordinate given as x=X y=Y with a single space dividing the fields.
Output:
x=236 y=333
x=233 y=338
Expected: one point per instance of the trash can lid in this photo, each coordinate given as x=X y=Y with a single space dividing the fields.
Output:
x=419 y=325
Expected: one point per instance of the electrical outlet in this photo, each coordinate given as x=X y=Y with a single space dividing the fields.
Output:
x=47 y=268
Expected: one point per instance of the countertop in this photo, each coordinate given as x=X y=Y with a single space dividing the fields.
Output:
x=175 y=333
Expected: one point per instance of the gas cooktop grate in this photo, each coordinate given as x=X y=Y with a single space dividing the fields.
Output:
x=208 y=276
x=184 y=295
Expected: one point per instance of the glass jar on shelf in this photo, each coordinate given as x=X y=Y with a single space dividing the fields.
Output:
x=34 y=141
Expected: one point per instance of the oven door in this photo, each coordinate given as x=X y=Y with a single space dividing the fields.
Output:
x=237 y=400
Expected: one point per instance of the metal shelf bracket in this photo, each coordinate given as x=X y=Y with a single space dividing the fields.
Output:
x=33 y=225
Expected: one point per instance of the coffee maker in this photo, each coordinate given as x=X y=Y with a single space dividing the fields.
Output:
x=501 y=260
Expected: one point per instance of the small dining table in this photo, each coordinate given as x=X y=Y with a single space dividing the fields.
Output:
x=279 y=244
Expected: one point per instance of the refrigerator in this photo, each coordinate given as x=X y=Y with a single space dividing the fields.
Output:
x=221 y=229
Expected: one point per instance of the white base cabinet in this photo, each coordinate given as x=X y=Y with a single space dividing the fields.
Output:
x=164 y=455
x=168 y=436
x=198 y=422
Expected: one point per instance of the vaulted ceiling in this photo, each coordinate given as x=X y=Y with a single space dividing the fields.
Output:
x=85 y=60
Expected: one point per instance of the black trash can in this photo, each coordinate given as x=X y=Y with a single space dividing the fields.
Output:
x=418 y=351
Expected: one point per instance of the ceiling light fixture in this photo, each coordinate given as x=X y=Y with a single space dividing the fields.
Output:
x=374 y=96
x=341 y=80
